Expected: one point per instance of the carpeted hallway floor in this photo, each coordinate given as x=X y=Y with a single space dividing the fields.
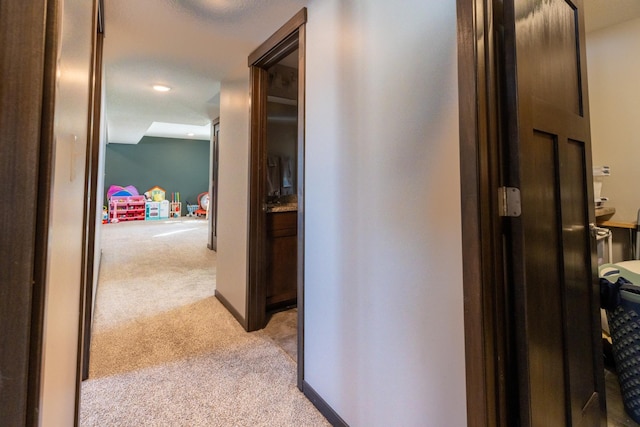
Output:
x=166 y=353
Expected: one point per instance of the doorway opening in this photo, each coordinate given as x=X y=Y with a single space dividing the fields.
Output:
x=284 y=119
x=611 y=33
x=276 y=207
x=154 y=260
x=281 y=242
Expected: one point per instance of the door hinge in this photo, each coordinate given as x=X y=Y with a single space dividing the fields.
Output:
x=509 y=201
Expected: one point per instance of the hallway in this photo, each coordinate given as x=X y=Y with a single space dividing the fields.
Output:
x=165 y=351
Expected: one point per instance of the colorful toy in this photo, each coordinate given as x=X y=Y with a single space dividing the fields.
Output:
x=203 y=204
x=116 y=190
x=157 y=193
x=191 y=209
x=175 y=208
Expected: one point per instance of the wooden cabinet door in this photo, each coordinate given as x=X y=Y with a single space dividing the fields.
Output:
x=282 y=252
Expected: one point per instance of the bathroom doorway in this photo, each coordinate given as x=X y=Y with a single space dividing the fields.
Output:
x=276 y=207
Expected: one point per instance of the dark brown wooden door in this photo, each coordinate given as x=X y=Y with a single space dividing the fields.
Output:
x=552 y=267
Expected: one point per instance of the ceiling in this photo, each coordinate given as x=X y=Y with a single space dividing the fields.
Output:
x=188 y=45
x=604 y=13
x=193 y=45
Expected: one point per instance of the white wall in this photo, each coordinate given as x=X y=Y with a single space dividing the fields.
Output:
x=66 y=222
x=613 y=61
x=384 y=338
x=233 y=205
x=383 y=279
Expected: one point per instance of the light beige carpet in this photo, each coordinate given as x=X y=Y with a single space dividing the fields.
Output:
x=166 y=353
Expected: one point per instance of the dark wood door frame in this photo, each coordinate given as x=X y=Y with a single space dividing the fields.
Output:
x=256 y=291
x=27 y=101
x=302 y=40
x=213 y=186
x=289 y=37
x=488 y=338
x=91 y=206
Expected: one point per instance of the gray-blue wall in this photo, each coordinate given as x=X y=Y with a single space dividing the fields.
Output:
x=173 y=164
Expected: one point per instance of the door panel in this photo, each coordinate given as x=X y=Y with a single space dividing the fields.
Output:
x=559 y=55
x=560 y=377
x=576 y=274
x=543 y=302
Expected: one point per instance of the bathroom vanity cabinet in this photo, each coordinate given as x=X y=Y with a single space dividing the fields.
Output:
x=281 y=254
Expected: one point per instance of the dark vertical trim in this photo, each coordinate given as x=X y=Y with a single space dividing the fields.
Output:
x=302 y=40
x=213 y=185
x=477 y=393
x=516 y=271
x=256 y=292
x=91 y=204
x=100 y=28
x=486 y=323
x=499 y=295
x=45 y=184
x=25 y=164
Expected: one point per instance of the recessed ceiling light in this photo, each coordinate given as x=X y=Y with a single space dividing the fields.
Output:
x=161 y=88
x=191 y=134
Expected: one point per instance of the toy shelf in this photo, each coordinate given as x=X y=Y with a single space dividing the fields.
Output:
x=126 y=208
x=175 y=210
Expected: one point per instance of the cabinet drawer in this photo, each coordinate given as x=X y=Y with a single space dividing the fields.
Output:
x=282 y=223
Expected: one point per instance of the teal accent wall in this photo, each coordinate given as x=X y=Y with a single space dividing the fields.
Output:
x=173 y=164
